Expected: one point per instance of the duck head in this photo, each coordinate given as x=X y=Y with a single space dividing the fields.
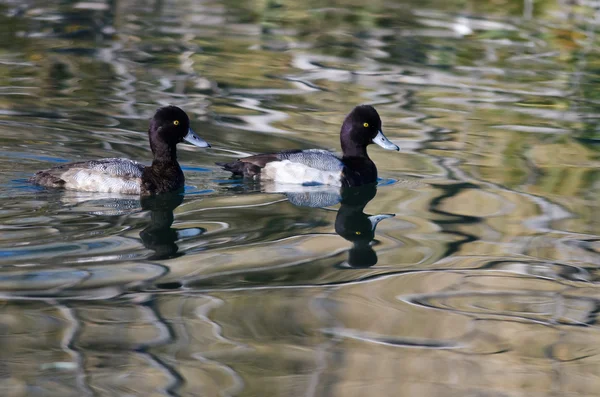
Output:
x=362 y=127
x=170 y=126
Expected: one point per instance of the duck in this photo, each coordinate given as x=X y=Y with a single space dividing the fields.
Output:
x=169 y=126
x=361 y=128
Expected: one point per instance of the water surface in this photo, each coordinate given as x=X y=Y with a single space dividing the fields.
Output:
x=483 y=283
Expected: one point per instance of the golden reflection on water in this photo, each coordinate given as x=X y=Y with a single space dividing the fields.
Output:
x=482 y=283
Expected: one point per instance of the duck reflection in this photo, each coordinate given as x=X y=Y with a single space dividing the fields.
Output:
x=159 y=236
x=351 y=222
x=357 y=227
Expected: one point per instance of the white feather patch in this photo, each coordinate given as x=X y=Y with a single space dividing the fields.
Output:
x=93 y=181
x=289 y=172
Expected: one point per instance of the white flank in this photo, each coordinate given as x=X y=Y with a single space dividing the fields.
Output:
x=288 y=172
x=94 y=181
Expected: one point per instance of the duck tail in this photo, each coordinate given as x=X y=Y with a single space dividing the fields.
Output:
x=242 y=168
x=235 y=167
x=47 y=178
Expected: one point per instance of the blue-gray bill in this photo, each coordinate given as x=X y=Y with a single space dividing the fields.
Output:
x=385 y=143
x=375 y=219
x=195 y=140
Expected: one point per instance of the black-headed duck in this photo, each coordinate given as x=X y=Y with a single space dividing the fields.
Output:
x=169 y=126
x=361 y=128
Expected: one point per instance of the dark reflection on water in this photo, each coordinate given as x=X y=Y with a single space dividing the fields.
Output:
x=483 y=283
x=159 y=236
x=354 y=225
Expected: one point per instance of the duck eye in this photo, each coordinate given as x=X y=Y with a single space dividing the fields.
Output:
x=358 y=233
x=365 y=125
x=176 y=122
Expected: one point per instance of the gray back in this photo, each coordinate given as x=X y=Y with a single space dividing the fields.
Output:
x=315 y=158
x=115 y=167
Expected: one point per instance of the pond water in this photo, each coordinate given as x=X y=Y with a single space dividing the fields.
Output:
x=484 y=283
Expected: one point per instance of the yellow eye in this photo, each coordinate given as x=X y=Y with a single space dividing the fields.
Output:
x=358 y=233
x=176 y=122
x=365 y=125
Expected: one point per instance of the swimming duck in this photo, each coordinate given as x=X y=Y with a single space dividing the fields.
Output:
x=169 y=126
x=361 y=127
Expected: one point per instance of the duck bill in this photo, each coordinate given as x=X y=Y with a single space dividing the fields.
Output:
x=375 y=219
x=194 y=139
x=385 y=143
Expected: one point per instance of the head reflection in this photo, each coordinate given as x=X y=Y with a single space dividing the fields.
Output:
x=357 y=227
x=351 y=222
x=159 y=236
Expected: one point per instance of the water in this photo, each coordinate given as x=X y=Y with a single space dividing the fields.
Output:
x=484 y=283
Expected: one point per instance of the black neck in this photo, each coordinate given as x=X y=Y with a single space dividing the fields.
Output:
x=163 y=152
x=350 y=149
x=165 y=163
x=358 y=170
x=351 y=211
x=164 y=175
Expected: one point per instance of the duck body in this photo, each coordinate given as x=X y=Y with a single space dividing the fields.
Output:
x=312 y=166
x=112 y=175
x=361 y=128
x=169 y=126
